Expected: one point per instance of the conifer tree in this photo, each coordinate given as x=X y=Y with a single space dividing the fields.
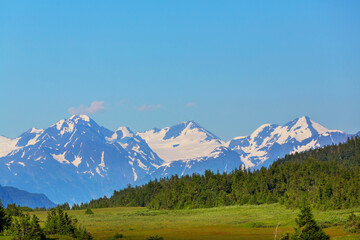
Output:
x=36 y=232
x=5 y=220
x=51 y=222
x=59 y=222
x=307 y=228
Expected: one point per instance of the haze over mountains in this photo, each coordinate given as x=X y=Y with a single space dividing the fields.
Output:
x=76 y=160
x=10 y=195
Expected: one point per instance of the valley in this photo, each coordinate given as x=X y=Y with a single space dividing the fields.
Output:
x=248 y=222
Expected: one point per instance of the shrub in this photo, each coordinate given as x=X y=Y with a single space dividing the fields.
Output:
x=156 y=237
x=89 y=211
x=118 y=235
x=353 y=223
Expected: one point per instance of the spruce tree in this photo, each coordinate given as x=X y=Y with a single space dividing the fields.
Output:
x=307 y=228
x=5 y=220
x=51 y=222
x=36 y=232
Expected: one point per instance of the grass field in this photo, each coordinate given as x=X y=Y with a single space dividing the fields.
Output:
x=235 y=222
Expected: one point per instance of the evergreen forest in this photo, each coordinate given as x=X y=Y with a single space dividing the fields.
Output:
x=327 y=178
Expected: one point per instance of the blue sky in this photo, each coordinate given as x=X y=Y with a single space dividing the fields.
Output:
x=229 y=65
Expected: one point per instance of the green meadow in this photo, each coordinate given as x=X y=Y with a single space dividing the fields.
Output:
x=234 y=222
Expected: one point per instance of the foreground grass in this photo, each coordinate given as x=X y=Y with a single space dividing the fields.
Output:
x=235 y=222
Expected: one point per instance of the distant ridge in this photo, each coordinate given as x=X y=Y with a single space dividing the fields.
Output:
x=10 y=195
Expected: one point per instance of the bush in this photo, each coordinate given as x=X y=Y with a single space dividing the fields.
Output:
x=156 y=237
x=118 y=235
x=353 y=223
x=89 y=211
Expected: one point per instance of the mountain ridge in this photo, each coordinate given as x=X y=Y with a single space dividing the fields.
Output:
x=10 y=195
x=75 y=159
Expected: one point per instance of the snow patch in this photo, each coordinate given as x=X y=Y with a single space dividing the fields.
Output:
x=60 y=158
x=102 y=164
x=77 y=161
x=35 y=130
x=98 y=171
x=135 y=175
x=33 y=141
x=59 y=124
x=142 y=165
x=311 y=145
x=22 y=164
x=7 y=145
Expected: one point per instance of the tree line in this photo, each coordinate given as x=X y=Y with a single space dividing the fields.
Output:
x=328 y=178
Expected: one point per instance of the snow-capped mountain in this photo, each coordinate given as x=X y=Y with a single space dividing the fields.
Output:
x=76 y=160
x=139 y=151
x=187 y=140
x=7 y=145
x=270 y=141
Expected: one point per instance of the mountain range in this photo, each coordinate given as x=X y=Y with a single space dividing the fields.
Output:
x=10 y=195
x=75 y=159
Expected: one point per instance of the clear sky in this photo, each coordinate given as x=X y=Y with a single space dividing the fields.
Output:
x=229 y=65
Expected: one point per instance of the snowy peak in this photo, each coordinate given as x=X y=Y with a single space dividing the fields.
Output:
x=299 y=129
x=76 y=118
x=79 y=124
x=271 y=141
x=187 y=140
x=123 y=132
x=66 y=125
x=187 y=128
x=305 y=128
x=300 y=121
